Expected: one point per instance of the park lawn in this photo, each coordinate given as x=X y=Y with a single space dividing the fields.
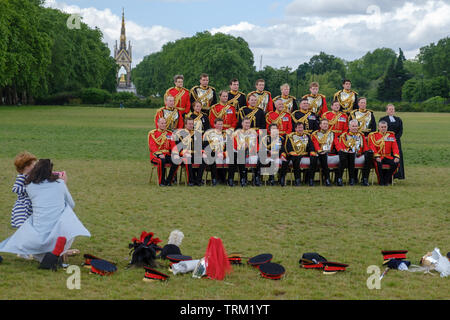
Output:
x=105 y=154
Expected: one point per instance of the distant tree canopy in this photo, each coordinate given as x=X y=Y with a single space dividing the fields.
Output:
x=221 y=56
x=40 y=55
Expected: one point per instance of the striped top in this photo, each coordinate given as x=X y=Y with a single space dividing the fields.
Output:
x=22 y=208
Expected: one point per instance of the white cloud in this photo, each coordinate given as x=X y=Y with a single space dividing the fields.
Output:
x=144 y=40
x=346 y=29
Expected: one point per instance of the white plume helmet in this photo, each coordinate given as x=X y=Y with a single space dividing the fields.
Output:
x=176 y=237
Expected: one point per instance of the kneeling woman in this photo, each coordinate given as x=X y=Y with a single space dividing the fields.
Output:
x=52 y=220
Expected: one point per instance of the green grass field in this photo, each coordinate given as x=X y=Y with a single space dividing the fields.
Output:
x=105 y=154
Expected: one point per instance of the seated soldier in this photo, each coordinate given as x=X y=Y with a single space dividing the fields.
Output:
x=256 y=115
x=173 y=118
x=224 y=111
x=214 y=150
x=325 y=143
x=385 y=151
x=306 y=116
x=245 y=147
x=273 y=146
x=353 y=148
x=300 y=150
x=161 y=145
x=185 y=140
x=280 y=117
x=337 y=120
x=201 y=121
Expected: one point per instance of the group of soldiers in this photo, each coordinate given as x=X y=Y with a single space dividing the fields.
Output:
x=257 y=132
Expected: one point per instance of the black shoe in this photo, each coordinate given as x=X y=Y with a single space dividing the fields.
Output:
x=243 y=182
x=214 y=182
x=311 y=182
x=327 y=183
x=282 y=181
x=230 y=182
x=351 y=182
x=192 y=184
x=339 y=182
x=257 y=182
x=298 y=182
x=271 y=181
x=365 y=182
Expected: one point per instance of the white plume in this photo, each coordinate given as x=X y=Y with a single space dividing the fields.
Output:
x=175 y=237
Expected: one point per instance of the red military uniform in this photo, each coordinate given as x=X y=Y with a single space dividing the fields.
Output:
x=283 y=121
x=173 y=118
x=161 y=143
x=182 y=99
x=384 y=147
x=338 y=122
x=317 y=103
x=226 y=113
x=265 y=101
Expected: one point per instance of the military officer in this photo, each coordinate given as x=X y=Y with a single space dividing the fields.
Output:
x=224 y=111
x=317 y=101
x=201 y=121
x=264 y=97
x=337 y=120
x=385 y=151
x=289 y=102
x=214 y=150
x=280 y=117
x=365 y=117
x=253 y=113
x=309 y=119
x=181 y=95
x=171 y=114
x=346 y=97
x=204 y=93
x=236 y=98
x=161 y=145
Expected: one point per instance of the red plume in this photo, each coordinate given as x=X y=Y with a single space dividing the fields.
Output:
x=216 y=260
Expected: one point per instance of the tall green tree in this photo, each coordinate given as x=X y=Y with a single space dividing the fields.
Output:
x=221 y=56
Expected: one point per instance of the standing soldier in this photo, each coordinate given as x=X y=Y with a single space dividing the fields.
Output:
x=236 y=98
x=264 y=97
x=317 y=101
x=300 y=150
x=385 y=151
x=289 y=102
x=365 y=117
x=181 y=95
x=161 y=144
x=353 y=148
x=171 y=114
x=280 y=117
x=346 y=97
x=224 y=111
x=337 y=120
x=306 y=116
x=325 y=144
x=204 y=93
x=253 y=113
x=201 y=121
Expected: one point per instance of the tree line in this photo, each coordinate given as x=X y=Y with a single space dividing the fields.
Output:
x=382 y=75
x=40 y=56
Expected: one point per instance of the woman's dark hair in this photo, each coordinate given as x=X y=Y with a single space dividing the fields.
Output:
x=42 y=171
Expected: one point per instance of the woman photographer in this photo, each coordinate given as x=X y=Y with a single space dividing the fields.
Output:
x=53 y=225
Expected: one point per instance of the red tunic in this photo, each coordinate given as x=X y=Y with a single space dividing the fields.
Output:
x=383 y=146
x=160 y=143
x=226 y=113
x=283 y=121
x=338 y=121
x=318 y=103
x=182 y=99
x=324 y=142
x=173 y=118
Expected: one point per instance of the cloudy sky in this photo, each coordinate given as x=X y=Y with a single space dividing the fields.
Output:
x=283 y=32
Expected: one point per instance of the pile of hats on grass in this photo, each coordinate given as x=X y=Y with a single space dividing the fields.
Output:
x=313 y=260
